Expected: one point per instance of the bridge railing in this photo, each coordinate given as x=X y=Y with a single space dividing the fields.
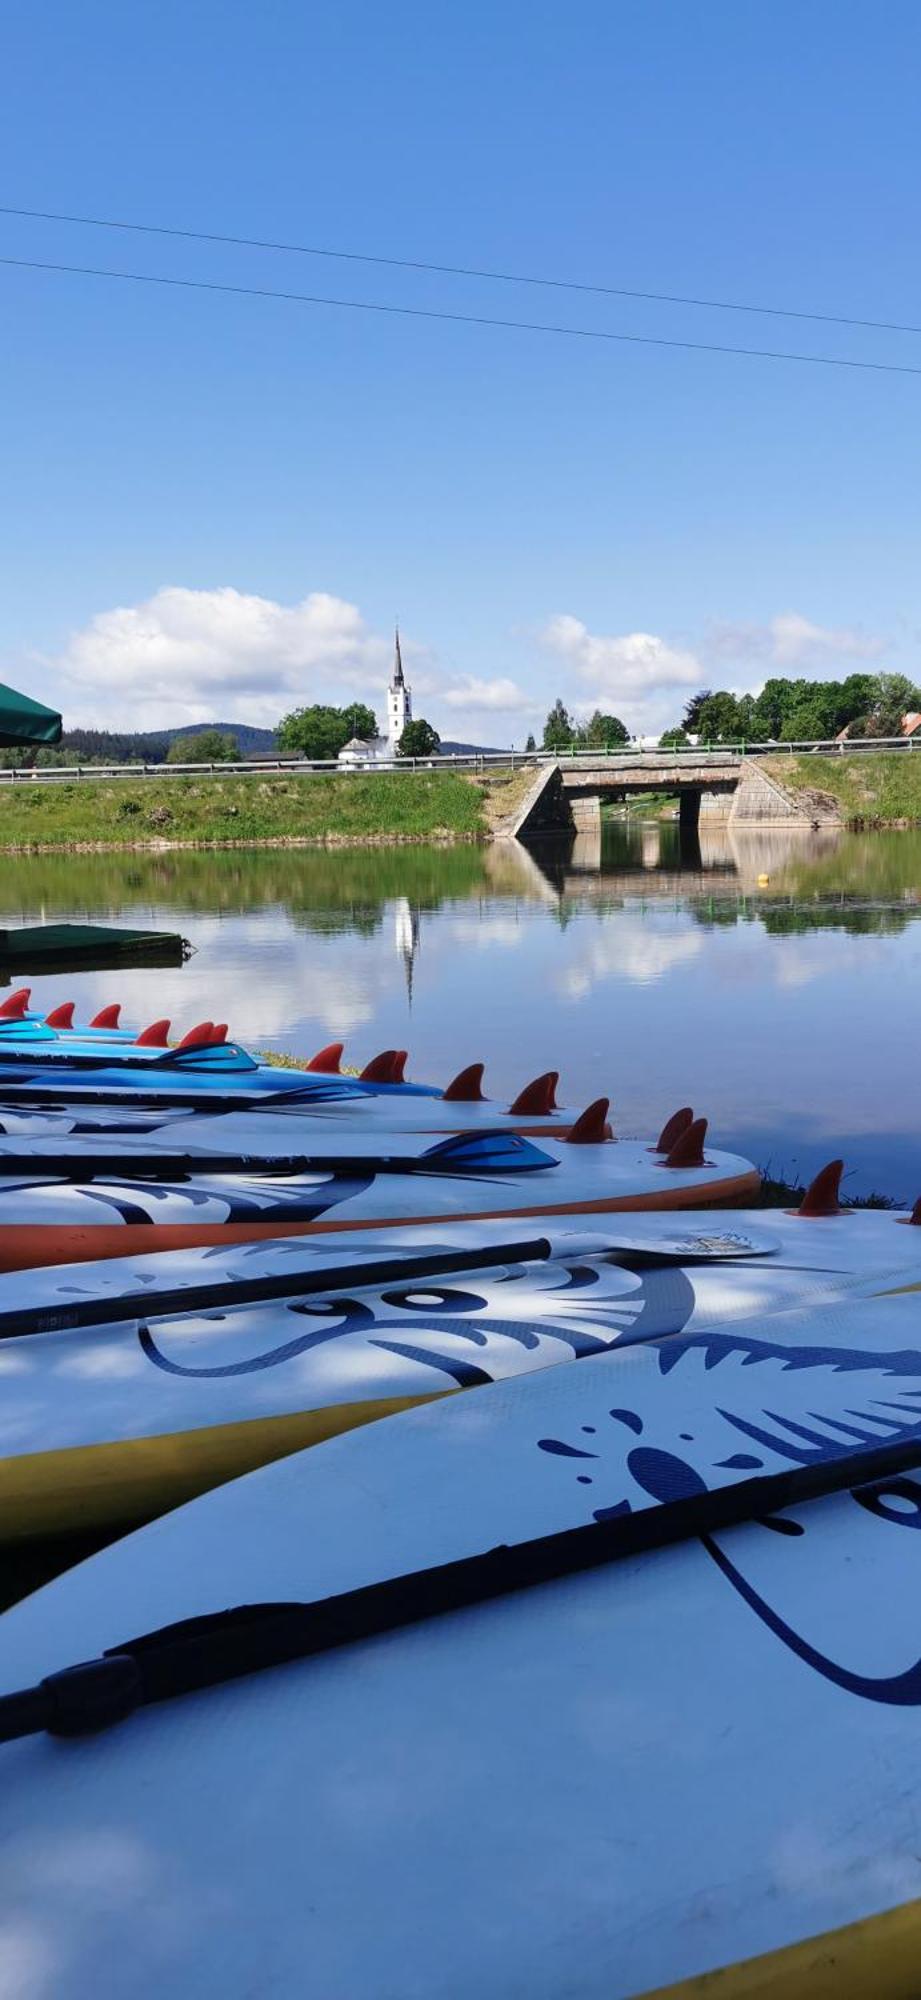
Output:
x=473 y=761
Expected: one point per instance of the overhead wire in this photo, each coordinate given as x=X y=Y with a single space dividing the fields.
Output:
x=457 y=270
x=460 y=319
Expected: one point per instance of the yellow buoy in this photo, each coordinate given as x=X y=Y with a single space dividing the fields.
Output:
x=763 y=881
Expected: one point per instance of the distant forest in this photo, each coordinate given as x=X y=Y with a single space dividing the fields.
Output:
x=104 y=746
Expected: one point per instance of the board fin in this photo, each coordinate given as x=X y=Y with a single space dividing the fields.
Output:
x=467 y=1086
x=688 y=1149
x=591 y=1127
x=821 y=1196
x=328 y=1061
x=381 y=1068
x=61 y=1017
x=673 y=1128
x=486 y=1153
x=199 y=1037
x=107 y=1017
x=154 y=1037
x=538 y=1098
x=13 y=1008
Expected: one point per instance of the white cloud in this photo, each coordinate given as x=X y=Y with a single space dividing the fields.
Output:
x=790 y=640
x=622 y=670
x=496 y=694
x=197 y=655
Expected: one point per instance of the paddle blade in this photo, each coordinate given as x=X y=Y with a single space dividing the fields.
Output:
x=467 y=1086
x=154 y=1037
x=537 y=1099
x=61 y=1017
x=821 y=1196
x=328 y=1061
x=14 y=1008
x=673 y=1128
x=486 y=1153
x=108 y=1017
x=688 y=1150
x=591 y=1128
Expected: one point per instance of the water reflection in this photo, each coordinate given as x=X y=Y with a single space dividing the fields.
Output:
x=768 y=978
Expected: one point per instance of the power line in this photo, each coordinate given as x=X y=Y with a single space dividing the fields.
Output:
x=458 y=270
x=461 y=319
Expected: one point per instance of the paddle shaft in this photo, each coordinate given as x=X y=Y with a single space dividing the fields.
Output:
x=258 y=1291
x=204 y=1652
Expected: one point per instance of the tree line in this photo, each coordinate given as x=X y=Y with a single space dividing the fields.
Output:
x=318 y=733
x=786 y=711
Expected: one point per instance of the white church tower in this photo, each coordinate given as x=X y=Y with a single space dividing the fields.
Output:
x=399 y=701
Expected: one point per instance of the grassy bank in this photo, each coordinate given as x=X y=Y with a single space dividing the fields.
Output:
x=869 y=789
x=236 y=811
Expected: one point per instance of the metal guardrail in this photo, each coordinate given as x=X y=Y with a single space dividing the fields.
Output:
x=481 y=760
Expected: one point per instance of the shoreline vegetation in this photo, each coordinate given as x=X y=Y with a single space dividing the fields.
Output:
x=431 y=807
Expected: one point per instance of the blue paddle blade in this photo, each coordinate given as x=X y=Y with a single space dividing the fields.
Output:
x=496 y=1152
x=222 y=1056
x=26 y=1031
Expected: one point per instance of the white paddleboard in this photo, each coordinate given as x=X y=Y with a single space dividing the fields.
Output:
x=598 y=1787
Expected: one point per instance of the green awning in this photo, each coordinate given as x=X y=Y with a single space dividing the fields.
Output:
x=25 y=721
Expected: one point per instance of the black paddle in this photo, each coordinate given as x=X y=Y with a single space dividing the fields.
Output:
x=256 y=1291
x=221 y=1646
x=490 y=1152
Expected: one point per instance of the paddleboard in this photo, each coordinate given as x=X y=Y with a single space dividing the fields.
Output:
x=65 y=1215
x=692 y=1759
x=130 y=1385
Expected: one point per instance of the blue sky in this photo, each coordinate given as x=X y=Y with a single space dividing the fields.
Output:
x=214 y=506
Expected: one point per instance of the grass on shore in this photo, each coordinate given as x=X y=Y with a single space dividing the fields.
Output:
x=869 y=788
x=143 y=812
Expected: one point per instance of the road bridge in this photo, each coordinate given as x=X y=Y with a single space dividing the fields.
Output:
x=716 y=785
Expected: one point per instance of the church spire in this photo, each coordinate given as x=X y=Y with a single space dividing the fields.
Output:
x=397 y=661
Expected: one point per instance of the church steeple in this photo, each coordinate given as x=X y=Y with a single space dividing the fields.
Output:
x=399 y=699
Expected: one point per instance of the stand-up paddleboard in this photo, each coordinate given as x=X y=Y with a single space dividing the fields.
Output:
x=605 y=1784
x=39 y=1065
x=94 y=1210
x=131 y=1385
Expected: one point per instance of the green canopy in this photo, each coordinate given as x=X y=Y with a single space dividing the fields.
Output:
x=25 y=721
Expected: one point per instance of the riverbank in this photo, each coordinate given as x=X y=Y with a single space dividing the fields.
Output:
x=869 y=789
x=106 y=815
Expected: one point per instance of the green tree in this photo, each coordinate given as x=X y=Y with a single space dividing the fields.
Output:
x=558 y=729
x=718 y=720
x=207 y=746
x=674 y=739
x=691 y=716
x=602 y=732
x=894 y=696
x=359 y=720
x=318 y=732
x=419 y=739
x=530 y=744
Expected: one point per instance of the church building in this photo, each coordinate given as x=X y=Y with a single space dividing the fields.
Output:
x=383 y=749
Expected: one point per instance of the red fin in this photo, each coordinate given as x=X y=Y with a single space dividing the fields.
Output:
x=380 y=1068
x=688 y=1149
x=915 y=1216
x=327 y=1061
x=61 y=1017
x=467 y=1087
x=154 y=1037
x=821 y=1196
x=14 y=1008
x=400 y=1060
x=108 y=1017
x=199 y=1037
x=592 y=1127
x=537 y=1098
x=220 y=1031
x=673 y=1128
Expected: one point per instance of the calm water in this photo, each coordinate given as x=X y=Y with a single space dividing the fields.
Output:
x=786 y=1010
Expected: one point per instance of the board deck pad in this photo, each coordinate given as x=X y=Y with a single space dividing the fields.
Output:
x=757 y=1689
